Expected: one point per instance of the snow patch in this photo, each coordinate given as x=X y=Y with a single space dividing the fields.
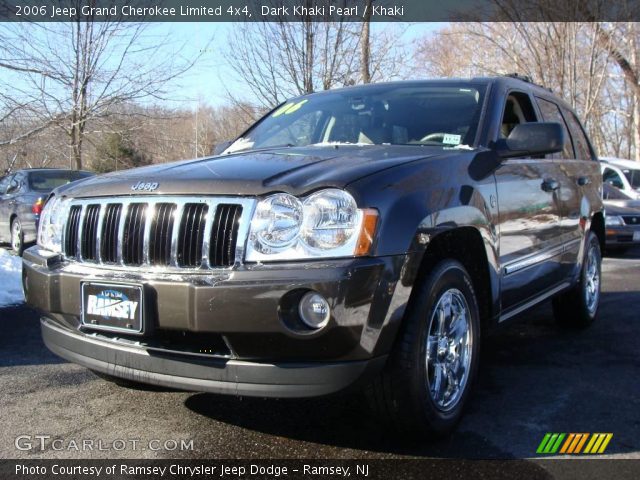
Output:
x=10 y=279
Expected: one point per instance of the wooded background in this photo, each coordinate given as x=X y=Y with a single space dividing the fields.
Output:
x=94 y=95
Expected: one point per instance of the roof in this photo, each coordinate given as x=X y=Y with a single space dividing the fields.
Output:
x=621 y=162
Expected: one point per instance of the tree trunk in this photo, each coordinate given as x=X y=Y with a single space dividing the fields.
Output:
x=365 y=44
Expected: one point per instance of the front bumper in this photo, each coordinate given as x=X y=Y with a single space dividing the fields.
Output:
x=240 y=313
x=224 y=376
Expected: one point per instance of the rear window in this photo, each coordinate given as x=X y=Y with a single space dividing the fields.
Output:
x=47 y=181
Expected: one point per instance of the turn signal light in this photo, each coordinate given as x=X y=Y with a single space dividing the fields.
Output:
x=367 y=232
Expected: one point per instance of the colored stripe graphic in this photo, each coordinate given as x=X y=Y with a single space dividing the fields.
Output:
x=550 y=443
x=556 y=443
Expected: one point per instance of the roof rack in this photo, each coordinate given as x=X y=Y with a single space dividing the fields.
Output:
x=524 y=78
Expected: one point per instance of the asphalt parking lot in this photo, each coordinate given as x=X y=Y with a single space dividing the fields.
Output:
x=535 y=378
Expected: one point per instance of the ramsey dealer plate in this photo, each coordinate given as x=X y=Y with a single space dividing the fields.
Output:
x=113 y=307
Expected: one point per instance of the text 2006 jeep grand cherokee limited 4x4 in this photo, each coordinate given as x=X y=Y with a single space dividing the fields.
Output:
x=362 y=236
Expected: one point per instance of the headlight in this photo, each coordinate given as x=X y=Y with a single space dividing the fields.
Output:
x=613 y=221
x=52 y=222
x=328 y=223
x=276 y=223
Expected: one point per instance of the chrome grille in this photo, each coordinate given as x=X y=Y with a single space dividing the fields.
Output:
x=225 y=230
x=165 y=232
x=71 y=232
x=191 y=234
x=631 y=219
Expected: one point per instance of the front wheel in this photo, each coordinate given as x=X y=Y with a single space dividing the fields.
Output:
x=426 y=384
x=579 y=306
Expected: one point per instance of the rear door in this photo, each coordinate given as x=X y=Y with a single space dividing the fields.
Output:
x=580 y=192
x=571 y=177
x=530 y=227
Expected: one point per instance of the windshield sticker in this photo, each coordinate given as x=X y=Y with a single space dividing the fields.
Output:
x=289 y=108
x=451 y=139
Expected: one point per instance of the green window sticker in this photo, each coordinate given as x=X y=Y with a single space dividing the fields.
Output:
x=289 y=108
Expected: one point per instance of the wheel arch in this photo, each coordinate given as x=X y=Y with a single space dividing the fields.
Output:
x=469 y=246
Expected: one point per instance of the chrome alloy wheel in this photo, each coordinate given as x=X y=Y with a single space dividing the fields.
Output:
x=449 y=349
x=592 y=281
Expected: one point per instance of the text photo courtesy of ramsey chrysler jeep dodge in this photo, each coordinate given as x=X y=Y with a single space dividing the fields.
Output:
x=366 y=237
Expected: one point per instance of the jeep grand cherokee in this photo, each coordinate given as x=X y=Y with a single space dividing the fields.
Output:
x=368 y=236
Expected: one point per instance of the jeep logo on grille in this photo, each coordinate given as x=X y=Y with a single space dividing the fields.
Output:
x=145 y=187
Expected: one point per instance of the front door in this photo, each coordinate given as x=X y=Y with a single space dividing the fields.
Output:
x=530 y=230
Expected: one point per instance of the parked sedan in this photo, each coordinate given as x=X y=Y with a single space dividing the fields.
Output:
x=22 y=195
x=622 y=219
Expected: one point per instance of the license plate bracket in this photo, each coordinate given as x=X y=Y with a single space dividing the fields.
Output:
x=113 y=307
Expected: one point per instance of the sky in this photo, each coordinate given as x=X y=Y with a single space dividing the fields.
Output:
x=212 y=78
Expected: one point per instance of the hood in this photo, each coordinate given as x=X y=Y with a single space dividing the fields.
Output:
x=292 y=170
x=622 y=207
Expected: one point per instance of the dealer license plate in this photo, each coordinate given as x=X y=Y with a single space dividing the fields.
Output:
x=113 y=307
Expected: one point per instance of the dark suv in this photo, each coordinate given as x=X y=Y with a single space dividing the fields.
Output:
x=22 y=196
x=368 y=236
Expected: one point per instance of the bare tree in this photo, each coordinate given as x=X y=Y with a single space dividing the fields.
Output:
x=279 y=60
x=572 y=58
x=72 y=74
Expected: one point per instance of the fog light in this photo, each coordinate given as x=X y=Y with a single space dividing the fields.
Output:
x=314 y=310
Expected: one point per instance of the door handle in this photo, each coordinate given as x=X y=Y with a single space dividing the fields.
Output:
x=582 y=181
x=550 y=185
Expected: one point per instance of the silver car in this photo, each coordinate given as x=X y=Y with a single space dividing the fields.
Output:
x=22 y=196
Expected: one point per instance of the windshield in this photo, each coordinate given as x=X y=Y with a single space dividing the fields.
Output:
x=440 y=115
x=47 y=181
x=634 y=177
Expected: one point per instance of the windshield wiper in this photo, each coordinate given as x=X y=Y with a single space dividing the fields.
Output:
x=251 y=149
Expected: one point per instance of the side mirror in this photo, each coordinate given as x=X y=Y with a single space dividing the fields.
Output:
x=531 y=139
x=221 y=147
x=12 y=188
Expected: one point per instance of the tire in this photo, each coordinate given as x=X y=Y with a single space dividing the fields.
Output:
x=578 y=307
x=406 y=394
x=17 y=237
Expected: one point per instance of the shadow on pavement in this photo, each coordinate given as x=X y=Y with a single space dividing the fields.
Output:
x=535 y=377
x=20 y=341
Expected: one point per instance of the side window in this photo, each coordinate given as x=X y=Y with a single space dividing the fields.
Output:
x=612 y=178
x=551 y=113
x=517 y=110
x=4 y=183
x=581 y=144
x=14 y=184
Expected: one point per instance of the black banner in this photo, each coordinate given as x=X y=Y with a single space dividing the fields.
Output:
x=318 y=10
x=327 y=469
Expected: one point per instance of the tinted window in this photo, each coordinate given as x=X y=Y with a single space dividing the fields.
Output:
x=551 y=113
x=633 y=176
x=439 y=115
x=611 y=177
x=580 y=143
x=47 y=181
x=4 y=183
